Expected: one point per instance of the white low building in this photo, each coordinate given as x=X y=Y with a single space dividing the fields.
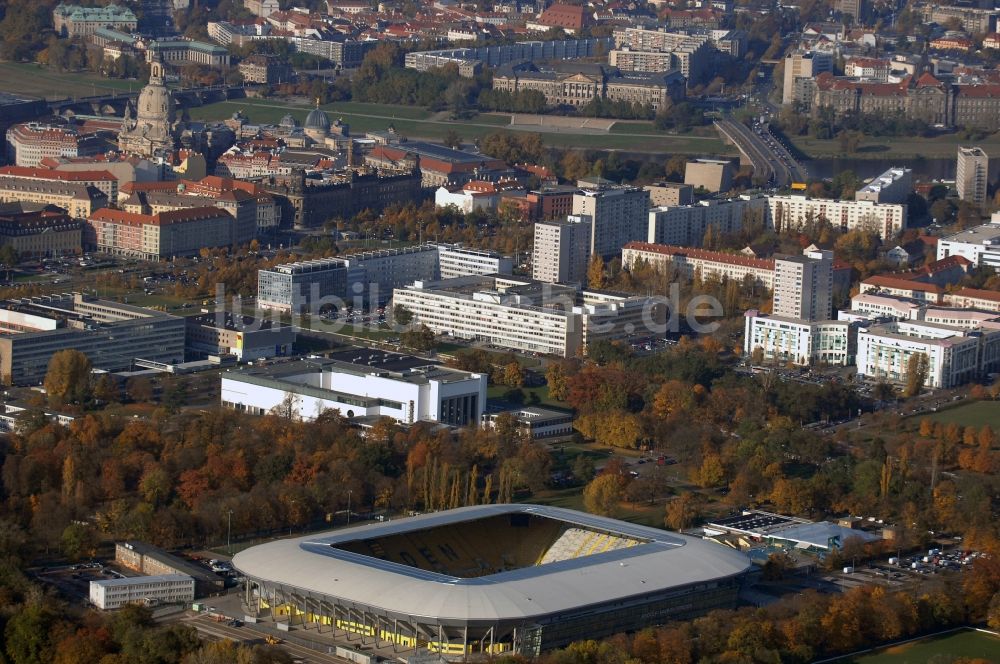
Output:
x=526 y=315
x=886 y=305
x=800 y=342
x=362 y=384
x=454 y=260
x=954 y=355
x=980 y=245
x=149 y=590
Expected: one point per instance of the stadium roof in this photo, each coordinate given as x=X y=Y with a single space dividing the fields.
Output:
x=664 y=561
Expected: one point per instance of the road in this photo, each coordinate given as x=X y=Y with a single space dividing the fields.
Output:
x=771 y=161
x=218 y=631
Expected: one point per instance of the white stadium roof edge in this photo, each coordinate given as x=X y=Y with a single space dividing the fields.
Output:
x=664 y=561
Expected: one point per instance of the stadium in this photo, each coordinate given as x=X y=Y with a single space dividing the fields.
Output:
x=488 y=579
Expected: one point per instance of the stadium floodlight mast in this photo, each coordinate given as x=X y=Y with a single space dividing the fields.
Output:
x=229 y=533
x=349 y=492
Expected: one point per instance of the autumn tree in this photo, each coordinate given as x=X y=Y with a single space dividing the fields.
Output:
x=139 y=389
x=682 y=512
x=596 y=277
x=917 y=368
x=419 y=339
x=68 y=377
x=602 y=495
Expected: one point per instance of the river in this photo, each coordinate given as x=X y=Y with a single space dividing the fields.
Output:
x=937 y=168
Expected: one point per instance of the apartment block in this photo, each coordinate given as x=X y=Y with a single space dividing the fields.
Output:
x=158 y=236
x=561 y=251
x=685 y=225
x=893 y=186
x=669 y=193
x=972 y=175
x=802 y=66
x=803 y=286
x=618 y=216
x=792 y=211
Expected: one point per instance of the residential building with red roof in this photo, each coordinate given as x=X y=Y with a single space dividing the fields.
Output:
x=690 y=262
x=29 y=143
x=570 y=18
x=974 y=298
x=99 y=179
x=916 y=290
x=159 y=236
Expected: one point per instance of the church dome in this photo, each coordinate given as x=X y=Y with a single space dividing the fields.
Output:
x=155 y=101
x=288 y=121
x=317 y=120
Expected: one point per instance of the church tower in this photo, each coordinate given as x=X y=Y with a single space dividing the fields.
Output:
x=153 y=128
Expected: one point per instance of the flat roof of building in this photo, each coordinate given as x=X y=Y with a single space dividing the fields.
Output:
x=133 y=580
x=661 y=562
x=984 y=234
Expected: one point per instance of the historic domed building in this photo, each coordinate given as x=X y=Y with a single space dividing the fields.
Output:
x=317 y=126
x=153 y=128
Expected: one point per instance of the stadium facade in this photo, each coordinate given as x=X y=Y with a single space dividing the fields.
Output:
x=488 y=579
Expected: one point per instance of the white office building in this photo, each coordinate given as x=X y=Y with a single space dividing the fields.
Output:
x=893 y=186
x=302 y=286
x=457 y=261
x=363 y=385
x=980 y=245
x=109 y=594
x=369 y=277
x=561 y=251
x=525 y=315
x=955 y=355
x=619 y=215
x=874 y=305
x=785 y=340
x=685 y=225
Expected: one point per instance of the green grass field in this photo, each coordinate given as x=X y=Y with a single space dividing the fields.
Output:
x=37 y=81
x=892 y=147
x=968 y=644
x=976 y=413
x=418 y=123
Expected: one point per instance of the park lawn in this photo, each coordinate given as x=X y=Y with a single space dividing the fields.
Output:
x=37 y=81
x=976 y=413
x=571 y=499
x=542 y=392
x=891 y=147
x=966 y=644
x=418 y=124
